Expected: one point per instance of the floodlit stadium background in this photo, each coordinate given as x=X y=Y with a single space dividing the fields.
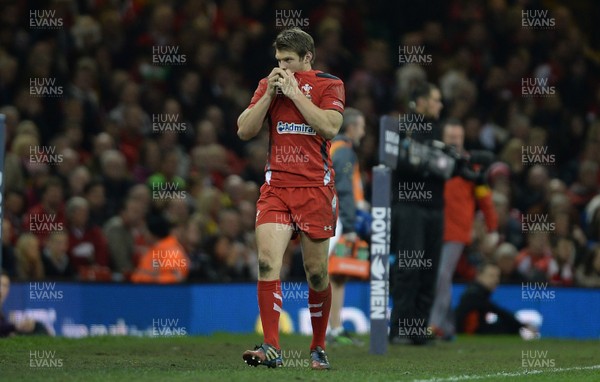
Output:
x=104 y=96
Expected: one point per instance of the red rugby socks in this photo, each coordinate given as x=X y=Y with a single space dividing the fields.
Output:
x=269 y=305
x=319 y=304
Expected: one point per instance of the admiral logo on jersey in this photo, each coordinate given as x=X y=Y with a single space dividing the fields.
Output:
x=295 y=128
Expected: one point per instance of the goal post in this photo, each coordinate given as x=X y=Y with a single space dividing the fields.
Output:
x=389 y=140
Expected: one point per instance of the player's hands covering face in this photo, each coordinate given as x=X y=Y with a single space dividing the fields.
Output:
x=285 y=81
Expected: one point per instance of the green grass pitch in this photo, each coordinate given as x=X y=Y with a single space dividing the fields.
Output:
x=219 y=358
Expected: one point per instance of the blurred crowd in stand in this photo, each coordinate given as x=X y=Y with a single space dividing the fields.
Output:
x=122 y=154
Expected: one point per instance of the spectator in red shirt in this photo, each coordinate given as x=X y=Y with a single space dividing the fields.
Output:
x=586 y=186
x=87 y=244
x=49 y=214
x=534 y=259
x=561 y=268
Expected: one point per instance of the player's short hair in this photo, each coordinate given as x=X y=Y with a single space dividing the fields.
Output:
x=297 y=41
x=350 y=116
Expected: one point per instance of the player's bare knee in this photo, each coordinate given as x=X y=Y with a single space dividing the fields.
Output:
x=318 y=282
x=318 y=279
x=264 y=268
x=315 y=281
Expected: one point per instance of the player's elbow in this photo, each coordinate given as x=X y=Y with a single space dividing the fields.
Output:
x=242 y=134
x=331 y=132
x=242 y=131
x=334 y=123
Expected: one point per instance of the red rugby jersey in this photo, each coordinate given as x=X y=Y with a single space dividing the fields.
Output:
x=298 y=156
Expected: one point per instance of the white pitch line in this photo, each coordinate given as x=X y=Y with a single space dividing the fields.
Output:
x=508 y=374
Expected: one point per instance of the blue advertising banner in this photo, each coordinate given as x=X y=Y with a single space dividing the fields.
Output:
x=86 y=309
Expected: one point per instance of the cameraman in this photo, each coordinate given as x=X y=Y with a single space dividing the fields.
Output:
x=417 y=224
x=461 y=195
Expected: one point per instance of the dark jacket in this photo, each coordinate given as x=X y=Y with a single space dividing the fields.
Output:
x=6 y=328
x=475 y=310
x=430 y=130
x=54 y=271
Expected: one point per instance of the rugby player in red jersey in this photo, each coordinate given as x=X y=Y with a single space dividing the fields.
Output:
x=304 y=109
